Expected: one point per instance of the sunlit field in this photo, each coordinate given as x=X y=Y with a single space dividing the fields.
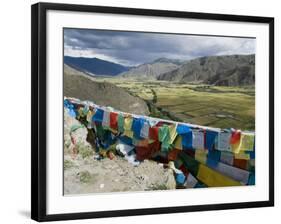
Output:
x=217 y=106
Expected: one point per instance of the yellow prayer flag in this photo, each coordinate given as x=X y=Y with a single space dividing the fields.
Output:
x=128 y=121
x=178 y=142
x=201 y=155
x=129 y=133
x=214 y=179
x=235 y=147
x=173 y=133
x=246 y=143
x=242 y=155
x=90 y=115
x=80 y=112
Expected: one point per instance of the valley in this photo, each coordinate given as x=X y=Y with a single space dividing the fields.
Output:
x=217 y=106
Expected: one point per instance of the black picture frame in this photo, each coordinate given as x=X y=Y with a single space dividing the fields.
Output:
x=39 y=114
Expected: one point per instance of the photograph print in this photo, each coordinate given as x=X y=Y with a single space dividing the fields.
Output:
x=148 y=111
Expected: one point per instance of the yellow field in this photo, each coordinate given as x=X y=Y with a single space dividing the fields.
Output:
x=222 y=107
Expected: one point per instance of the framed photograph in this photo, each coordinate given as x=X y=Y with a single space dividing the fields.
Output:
x=139 y=111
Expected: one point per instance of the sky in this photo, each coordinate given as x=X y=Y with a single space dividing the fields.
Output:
x=134 y=48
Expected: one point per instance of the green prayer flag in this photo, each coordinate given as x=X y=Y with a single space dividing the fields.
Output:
x=120 y=122
x=190 y=163
x=163 y=134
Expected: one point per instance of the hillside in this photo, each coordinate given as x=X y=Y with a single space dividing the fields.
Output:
x=95 y=66
x=152 y=70
x=232 y=70
x=79 y=85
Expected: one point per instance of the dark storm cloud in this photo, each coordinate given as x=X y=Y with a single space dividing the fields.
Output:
x=133 y=48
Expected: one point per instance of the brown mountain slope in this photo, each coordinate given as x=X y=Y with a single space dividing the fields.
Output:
x=230 y=70
x=79 y=85
x=151 y=70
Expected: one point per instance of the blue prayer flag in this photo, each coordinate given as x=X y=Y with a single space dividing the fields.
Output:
x=137 y=126
x=186 y=133
x=210 y=139
x=98 y=116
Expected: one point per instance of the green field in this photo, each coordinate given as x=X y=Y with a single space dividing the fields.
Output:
x=216 y=106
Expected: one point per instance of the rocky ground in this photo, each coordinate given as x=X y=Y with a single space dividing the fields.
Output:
x=85 y=173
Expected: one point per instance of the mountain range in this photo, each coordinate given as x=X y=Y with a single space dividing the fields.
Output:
x=95 y=66
x=230 y=70
x=227 y=70
x=152 y=70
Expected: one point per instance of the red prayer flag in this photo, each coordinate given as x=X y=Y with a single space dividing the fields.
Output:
x=147 y=152
x=240 y=163
x=114 y=120
x=173 y=154
x=153 y=133
x=235 y=137
x=184 y=170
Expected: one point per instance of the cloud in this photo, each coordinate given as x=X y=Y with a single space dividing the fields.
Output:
x=133 y=48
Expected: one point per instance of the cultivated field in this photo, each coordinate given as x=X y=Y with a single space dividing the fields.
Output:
x=216 y=106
